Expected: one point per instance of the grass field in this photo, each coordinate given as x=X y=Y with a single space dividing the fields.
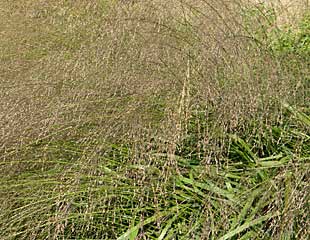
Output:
x=154 y=119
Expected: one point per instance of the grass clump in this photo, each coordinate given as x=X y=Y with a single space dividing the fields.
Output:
x=153 y=120
x=294 y=41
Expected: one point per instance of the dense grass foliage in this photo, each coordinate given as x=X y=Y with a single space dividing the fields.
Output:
x=153 y=120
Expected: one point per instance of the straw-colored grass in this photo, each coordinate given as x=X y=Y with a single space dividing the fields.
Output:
x=157 y=119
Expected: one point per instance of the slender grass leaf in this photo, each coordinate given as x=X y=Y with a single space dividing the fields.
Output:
x=209 y=186
x=247 y=225
x=245 y=149
x=167 y=227
x=248 y=204
x=304 y=118
x=130 y=232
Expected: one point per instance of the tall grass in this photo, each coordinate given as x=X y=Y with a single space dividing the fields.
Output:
x=153 y=120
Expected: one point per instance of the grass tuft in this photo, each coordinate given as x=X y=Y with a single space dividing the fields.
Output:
x=153 y=120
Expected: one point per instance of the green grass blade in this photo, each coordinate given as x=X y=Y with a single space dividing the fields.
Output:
x=244 y=149
x=209 y=186
x=167 y=227
x=304 y=118
x=247 y=225
x=132 y=231
x=247 y=206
